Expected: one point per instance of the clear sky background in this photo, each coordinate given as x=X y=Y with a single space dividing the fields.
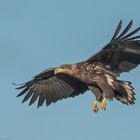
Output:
x=37 y=34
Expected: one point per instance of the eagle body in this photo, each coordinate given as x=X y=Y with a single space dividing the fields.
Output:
x=99 y=74
x=100 y=80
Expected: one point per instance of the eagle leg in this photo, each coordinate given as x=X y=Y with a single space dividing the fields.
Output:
x=95 y=106
x=103 y=103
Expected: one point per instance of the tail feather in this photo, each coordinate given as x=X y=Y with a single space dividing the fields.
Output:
x=124 y=92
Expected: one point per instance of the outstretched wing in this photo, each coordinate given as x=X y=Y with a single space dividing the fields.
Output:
x=50 y=87
x=122 y=53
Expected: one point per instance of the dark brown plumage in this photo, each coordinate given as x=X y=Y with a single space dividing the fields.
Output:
x=98 y=74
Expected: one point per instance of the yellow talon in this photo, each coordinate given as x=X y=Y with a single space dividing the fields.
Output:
x=95 y=106
x=103 y=104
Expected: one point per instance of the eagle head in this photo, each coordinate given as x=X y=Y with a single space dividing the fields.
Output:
x=66 y=69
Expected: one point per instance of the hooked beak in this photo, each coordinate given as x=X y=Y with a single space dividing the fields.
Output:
x=58 y=70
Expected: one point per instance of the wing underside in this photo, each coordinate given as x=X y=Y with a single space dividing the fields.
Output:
x=49 y=88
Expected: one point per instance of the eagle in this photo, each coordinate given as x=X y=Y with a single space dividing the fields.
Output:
x=98 y=74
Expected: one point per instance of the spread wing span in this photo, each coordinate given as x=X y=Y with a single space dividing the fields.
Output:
x=122 y=53
x=48 y=87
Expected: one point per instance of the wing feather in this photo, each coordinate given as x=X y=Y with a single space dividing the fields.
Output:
x=23 y=92
x=126 y=29
x=28 y=95
x=122 y=54
x=49 y=87
x=34 y=98
x=130 y=34
x=40 y=101
x=117 y=30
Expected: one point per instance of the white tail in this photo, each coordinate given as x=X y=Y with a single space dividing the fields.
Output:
x=124 y=92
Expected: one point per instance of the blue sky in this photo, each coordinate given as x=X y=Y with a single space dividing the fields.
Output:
x=37 y=34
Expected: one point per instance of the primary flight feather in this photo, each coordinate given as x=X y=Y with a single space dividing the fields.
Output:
x=98 y=74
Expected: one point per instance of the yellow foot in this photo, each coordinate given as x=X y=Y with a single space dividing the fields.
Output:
x=103 y=104
x=95 y=106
